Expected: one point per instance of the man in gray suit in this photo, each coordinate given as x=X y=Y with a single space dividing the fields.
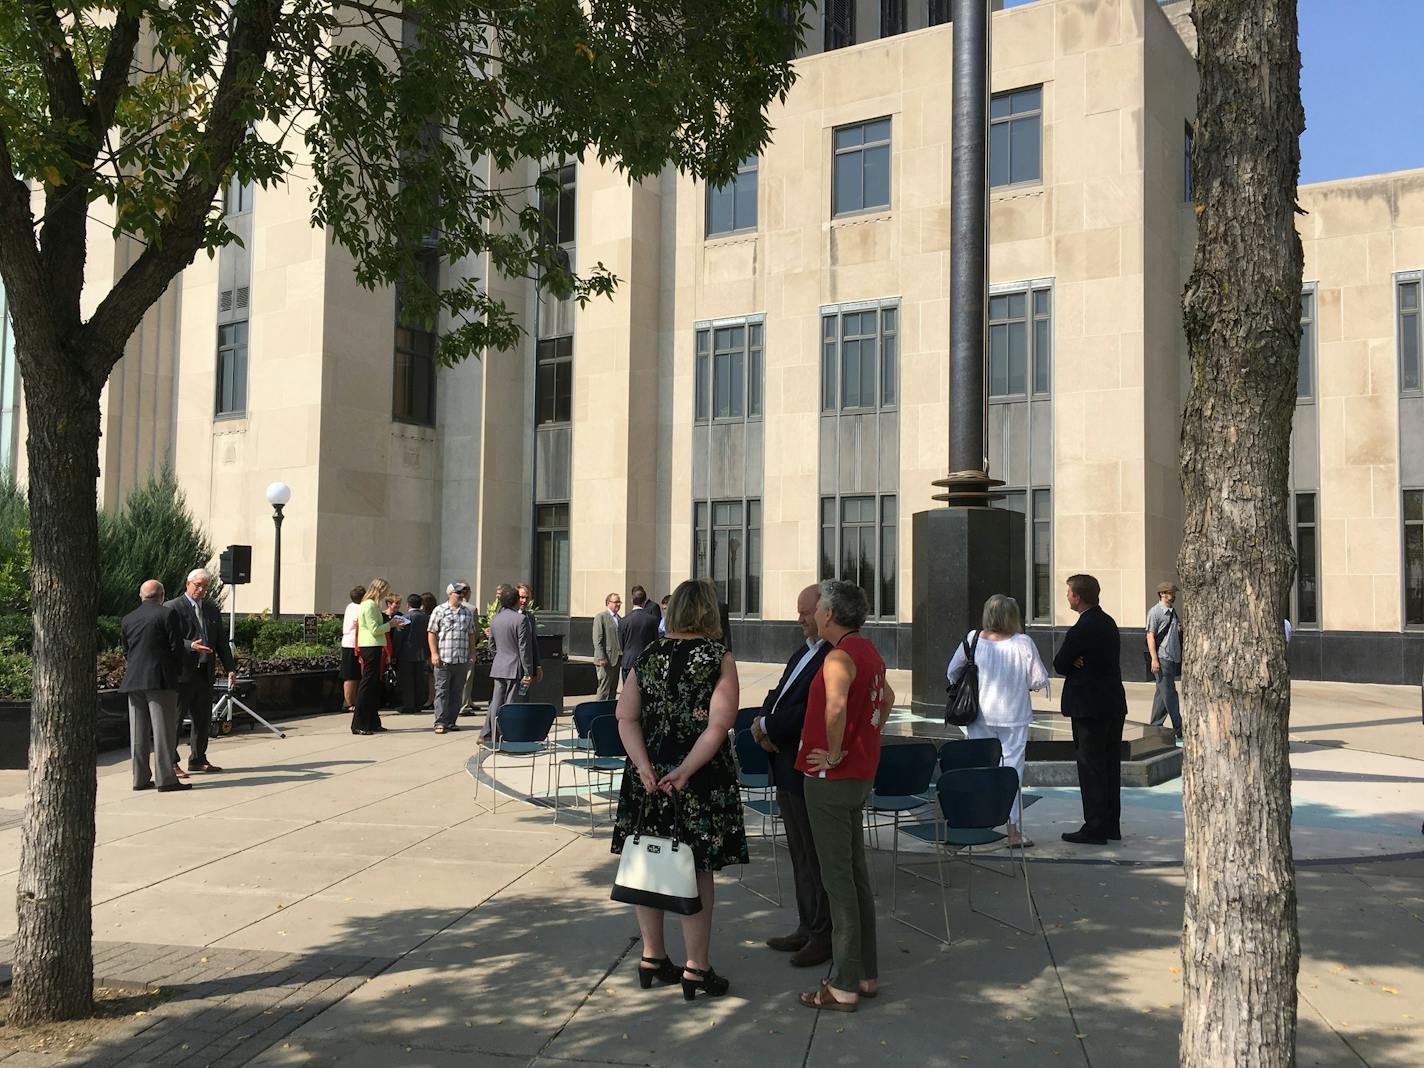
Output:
x=204 y=642
x=153 y=651
x=606 y=649
x=511 y=636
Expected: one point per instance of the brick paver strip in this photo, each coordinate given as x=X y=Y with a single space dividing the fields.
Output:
x=229 y=1005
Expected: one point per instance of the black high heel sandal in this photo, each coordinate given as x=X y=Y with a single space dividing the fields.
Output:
x=665 y=972
x=709 y=981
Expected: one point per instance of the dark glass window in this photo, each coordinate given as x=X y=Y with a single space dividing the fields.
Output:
x=1016 y=137
x=936 y=12
x=1409 y=339
x=859 y=544
x=551 y=556
x=554 y=384
x=1307 y=589
x=1305 y=378
x=726 y=547
x=892 y=17
x=1036 y=507
x=728 y=367
x=413 y=393
x=1014 y=349
x=237 y=196
x=860 y=359
x=557 y=207
x=1414 y=557
x=840 y=23
x=861 y=179
x=232 y=368
x=733 y=206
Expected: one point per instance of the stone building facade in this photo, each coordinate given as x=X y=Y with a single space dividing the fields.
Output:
x=766 y=399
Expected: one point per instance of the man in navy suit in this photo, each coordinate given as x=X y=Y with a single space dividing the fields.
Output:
x=778 y=731
x=639 y=628
x=1093 y=696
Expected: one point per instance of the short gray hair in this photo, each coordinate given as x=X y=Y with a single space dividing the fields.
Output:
x=1001 y=615
x=199 y=572
x=846 y=601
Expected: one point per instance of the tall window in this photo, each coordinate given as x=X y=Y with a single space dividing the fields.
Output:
x=840 y=23
x=237 y=196
x=554 y=381
x=1409 y=336
x=860 y=357
x=733 y=207
x=726 y=547
x=1020 y=342
x=551 y=555
x=232 y=368
x=892 y=17
x=1307 y=589
x=1016 y=137
x=557 y=205
x=859 y=544
x=728 y=371
x=1414 y=557
x=861 y=181
x=1305 y=385
x=413 y=398
x=936 y=12
x=1036 y=507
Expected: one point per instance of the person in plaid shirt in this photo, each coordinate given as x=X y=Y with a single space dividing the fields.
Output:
x=453 y=633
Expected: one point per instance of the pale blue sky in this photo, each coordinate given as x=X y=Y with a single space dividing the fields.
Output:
x=1362 y=62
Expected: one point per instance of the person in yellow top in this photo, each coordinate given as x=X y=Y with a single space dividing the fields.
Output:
x=372 y=623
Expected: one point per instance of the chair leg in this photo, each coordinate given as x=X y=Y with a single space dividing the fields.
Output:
x=943 y=896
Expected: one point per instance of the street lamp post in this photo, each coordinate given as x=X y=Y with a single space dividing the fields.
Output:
x=278 y=494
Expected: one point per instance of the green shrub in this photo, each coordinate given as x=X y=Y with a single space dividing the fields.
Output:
x=15 y=570
x=16 y=672
x=110 y=632
x=299 y=650
x=152 y=536
x=328 y=630
x=246 y=631
x=17 y=627
x=273 y=634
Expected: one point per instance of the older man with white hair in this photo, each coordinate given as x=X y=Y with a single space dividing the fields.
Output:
x=204 y=639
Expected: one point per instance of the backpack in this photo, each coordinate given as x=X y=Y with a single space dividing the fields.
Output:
x=962 y=706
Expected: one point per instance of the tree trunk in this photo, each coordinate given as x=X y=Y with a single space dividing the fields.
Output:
x=54 y=960
x=1240 y=948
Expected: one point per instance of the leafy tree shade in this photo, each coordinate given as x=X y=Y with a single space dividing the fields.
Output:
x=1240 y=947
x=152 y=536
x=150 y=106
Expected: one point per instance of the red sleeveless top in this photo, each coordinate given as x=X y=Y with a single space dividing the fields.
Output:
x=861 y=740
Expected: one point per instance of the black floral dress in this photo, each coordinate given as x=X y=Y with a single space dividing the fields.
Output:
x=676 y=677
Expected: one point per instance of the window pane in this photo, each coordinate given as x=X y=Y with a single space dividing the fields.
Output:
x=879 y=130
x=721 y=386
x=1306 y=590
x=889 y=358
x=753 y=606
x=888 y=554
x=1041 y=353
x=867 y=371
x=700 y=386
x=847 y=192
x=1409 y=351
x=999 y=154
x=1409 y=295
x=745 y=195
x=754 y=382
x=828 y=376
x=737 y=372
x=720 y=203
x=849 y=136
x=1027 y=100
x=850 y=374
x=1024 y=150
x=1017 y=304
x=998 y=360
x=1018 y=358
x=1305 y=508
x=1042 y=302
x=877 y=177
x=1305 y=376
x=1414 y=574
x=1414 y=505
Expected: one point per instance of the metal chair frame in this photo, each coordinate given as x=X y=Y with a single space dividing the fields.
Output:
x=609 y=758
x=584 y=713
x=766 y=806
x=533 y=748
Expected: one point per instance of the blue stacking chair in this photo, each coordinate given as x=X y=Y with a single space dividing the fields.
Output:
x=522 y=731
x=902 y=786
x=581 y=745
x=609 y=757
x=973 y=804
x=758 y=794
x=975 y=753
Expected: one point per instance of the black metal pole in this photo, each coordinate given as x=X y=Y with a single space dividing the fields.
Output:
x=277 y=562
x=968 y=253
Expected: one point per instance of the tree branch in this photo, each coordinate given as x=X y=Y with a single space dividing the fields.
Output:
x=66 y=94
x=181 y=235
x=123 y=42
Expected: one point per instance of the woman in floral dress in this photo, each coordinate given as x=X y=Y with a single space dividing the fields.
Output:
x=677 y=707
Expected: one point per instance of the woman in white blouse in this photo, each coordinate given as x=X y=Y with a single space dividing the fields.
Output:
x=1009 y=667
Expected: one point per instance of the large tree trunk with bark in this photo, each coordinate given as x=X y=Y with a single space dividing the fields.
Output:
x=54 y=960
x=1240 y=948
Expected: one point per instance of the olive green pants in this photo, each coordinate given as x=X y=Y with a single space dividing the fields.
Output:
x=835 y=807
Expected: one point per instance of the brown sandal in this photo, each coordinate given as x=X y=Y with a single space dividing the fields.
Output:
x=824 y=999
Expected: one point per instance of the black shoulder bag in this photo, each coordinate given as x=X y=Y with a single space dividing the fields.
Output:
x=962 y=706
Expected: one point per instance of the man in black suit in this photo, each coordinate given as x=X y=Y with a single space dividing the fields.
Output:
x=413 y=656
x=639 y=628
x=1093 y=696
x=153 y=653
x=204 y=637
x=778 y=731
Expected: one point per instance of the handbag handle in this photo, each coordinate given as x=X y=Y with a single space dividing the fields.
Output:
x=643 y=811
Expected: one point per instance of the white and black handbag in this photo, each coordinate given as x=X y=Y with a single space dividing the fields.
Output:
x=658 y=873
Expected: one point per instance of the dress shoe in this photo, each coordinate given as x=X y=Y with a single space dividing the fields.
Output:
x=788 y=943
x=816 y=951
x=178 y=771
x=145 y=786
x=205 y=768
x=175 y=786
x=1084 y=838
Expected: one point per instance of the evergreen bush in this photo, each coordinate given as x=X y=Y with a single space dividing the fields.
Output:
x=152 y=536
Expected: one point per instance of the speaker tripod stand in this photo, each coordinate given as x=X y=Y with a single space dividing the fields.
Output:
x=223 y=712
